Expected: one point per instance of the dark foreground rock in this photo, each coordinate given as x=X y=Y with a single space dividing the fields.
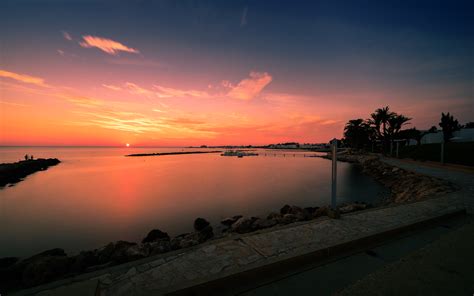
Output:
x=11 y=173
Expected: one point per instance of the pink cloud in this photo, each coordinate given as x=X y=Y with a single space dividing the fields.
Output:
x=249 y=88
x=106 y=45
x=24 y=78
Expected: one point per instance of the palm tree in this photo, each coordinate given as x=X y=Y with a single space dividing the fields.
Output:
x=380 y=118
x=395 y=124
x=449 y=126
x=356 y=133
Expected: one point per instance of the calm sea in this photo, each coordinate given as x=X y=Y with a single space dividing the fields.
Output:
x=96 y=195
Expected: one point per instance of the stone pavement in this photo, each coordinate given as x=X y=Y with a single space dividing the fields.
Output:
x=444 y=267
x=222 y=258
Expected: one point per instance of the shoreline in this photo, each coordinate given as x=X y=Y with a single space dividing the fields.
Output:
x=405 y=187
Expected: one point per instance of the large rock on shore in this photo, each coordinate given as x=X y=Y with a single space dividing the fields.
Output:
x=229 y=221
x=120 y=252
x=155 y=235
x=243 y=225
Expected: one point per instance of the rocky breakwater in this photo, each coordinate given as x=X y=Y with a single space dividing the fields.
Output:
x=405 y=186
x=55 y=264
x=11 y=173
x=288 y=214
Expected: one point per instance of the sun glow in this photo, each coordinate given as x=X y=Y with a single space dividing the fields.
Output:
x=127 y=145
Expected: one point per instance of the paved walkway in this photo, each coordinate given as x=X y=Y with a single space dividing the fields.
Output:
x=444 y=267
x=327 y=278
x=222 y=258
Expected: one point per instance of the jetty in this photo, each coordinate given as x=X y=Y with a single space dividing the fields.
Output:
x=11 y=173
x=173 y=153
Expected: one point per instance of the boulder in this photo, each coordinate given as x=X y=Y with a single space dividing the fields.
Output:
x=84 y=260
x=334 y=213
x=311 y=210
x=243 y=225
x=120 y=252
x=205 y=234
x=200 y=224
x=274 y=216
x=322 y=211
x=156 y=247
x=156 y=235
x=184 y=241
x=45 y=268
x=263 y=223
x=231 y=220
x=300 y=213
x=288 y=218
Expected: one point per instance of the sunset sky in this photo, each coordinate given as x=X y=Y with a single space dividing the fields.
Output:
x=166 y=73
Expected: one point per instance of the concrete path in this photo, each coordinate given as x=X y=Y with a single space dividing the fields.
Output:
x=331 y=277
x=444 y=267
x=224 y=258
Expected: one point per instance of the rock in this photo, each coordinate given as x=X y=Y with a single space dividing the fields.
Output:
x=205 y=234
x=347 y=209
x=42 y=268
x=322 y=211
x=285 y=209
x=176 y=241
x=243 y=225
x=200 y=224
x=156 y=247
x=83 y=261
x=156 y=235
x=274 y=216
x=288 y=218
x=184 y=241
x=229 y=221
x=334 y=213
x=120 y=252
x=300 y=213
x=311 y=210
x=263 y=223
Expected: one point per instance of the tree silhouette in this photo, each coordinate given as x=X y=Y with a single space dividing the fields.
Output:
x=358 y=133
x=379 y=119
x=449 y=126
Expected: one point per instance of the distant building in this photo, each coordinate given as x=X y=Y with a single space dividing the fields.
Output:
x=463 y=135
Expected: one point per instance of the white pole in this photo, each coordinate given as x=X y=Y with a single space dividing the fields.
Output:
x=334 y=173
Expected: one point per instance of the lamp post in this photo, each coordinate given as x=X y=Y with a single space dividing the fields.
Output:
x=334 y=174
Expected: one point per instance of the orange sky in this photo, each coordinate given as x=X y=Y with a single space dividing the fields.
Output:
x=223 y=74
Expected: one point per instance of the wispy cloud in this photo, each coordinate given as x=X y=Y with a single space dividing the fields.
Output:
x=14 y=104
x=168 y=92
x=106 y=45
x=246 y=89
x=249 y=88
x=66 y=35
x=24 y=78
x=243 y=19
x=112 y=87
